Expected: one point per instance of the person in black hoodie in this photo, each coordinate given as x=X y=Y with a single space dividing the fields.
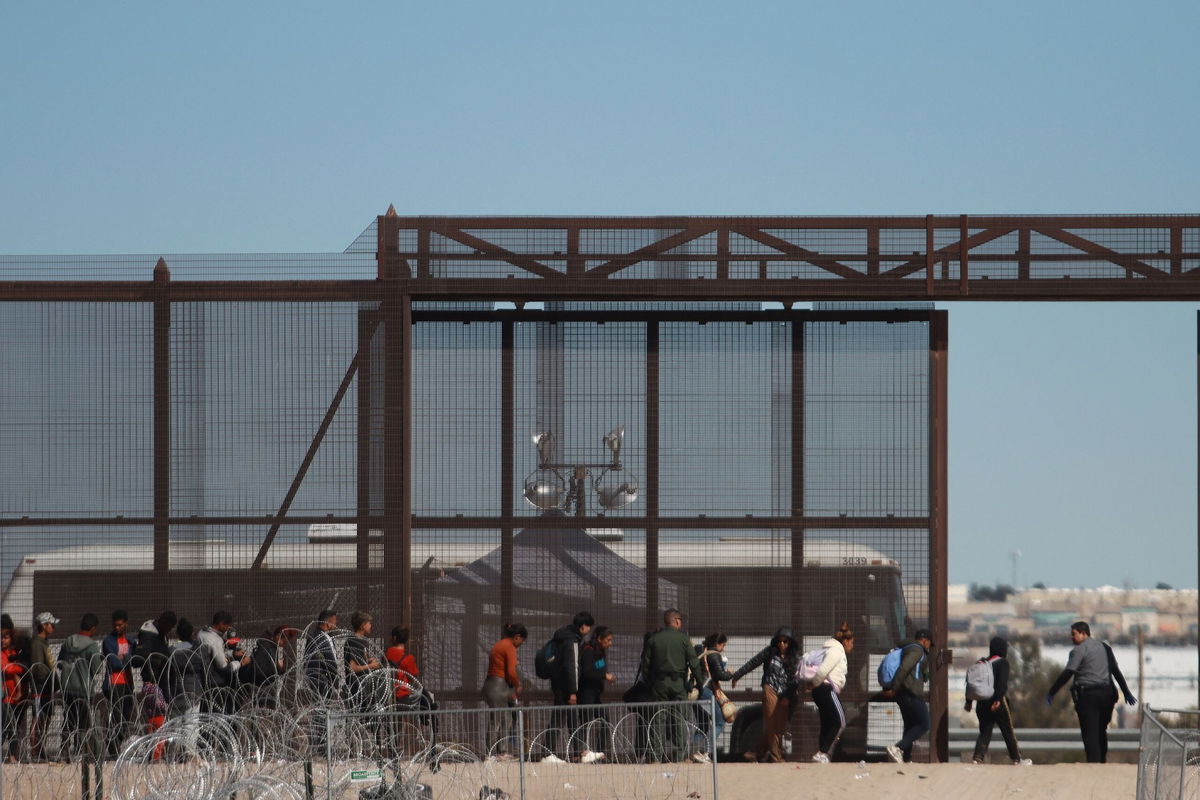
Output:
x=153 y=655
x=565 y=682
x=995 y=710
x=778 y=660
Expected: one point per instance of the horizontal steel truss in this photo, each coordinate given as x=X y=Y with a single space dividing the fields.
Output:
x=1136 y=257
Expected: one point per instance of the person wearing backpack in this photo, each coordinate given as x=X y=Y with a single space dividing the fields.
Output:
x=564 y=679
x=987 y=685
x=907 y=688
x=778 y=660
x=1093 y=667
x=827 y=684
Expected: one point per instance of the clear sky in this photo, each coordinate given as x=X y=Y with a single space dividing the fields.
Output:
x=244 y=127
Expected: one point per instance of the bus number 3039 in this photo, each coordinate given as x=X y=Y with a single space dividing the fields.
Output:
x=854 y=561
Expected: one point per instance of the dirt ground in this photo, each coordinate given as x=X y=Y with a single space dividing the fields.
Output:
x=734 y=781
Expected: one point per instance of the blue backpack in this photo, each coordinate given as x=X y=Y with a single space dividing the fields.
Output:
x=891 y=663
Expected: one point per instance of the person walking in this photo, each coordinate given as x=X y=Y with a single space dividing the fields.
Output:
x=1093 y=668
x=593 y=676
x=564 y=683
x=502 y=688
x=715 y=665
x=994 y=710
x=42 y=683
x=826 y=687
x=907 y=688
x=778 y=660
x=668 y=660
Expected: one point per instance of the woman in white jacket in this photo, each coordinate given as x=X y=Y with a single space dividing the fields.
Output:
x=826 y=685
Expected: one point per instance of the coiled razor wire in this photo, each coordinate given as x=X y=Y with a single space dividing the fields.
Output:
x=297 y=735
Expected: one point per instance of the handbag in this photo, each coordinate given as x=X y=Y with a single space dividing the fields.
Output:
x=728 y=709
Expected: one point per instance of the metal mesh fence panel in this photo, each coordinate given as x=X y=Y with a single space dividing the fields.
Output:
x=1168 y=754
x=754 y=469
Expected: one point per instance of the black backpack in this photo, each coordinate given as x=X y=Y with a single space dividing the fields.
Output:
x=546 y=663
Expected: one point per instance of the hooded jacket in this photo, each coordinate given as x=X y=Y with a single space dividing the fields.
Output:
x=779 y=669
x=998 y=653
x=152 y=653
x=567 y=640
x=833 y=668
x=80 y=660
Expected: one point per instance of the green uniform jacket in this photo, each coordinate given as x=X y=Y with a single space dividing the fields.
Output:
x=666 y=660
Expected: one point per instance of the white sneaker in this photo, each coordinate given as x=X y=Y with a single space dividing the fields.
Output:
x=552 y=759
x=591 y=757
x=895 y=754
x=1022 y=762
x=701 y=757
x=820 y=758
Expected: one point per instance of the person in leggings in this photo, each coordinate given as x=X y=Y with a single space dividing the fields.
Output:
x=502 y=688
x=995 y=710
x=826 y=686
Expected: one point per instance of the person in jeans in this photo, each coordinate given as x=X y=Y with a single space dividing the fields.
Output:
x=716 y=669
x=1093 y=667
x=995 y=710
x=778 y=660
x=908 y=690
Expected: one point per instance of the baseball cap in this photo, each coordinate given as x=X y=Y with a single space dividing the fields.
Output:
x=45 y=617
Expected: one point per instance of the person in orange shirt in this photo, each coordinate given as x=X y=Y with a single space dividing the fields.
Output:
x=118 y=648
x=405 y=666
x=502 y=687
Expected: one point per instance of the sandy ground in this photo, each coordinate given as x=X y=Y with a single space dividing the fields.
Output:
x=926 y=781
x=735 y=782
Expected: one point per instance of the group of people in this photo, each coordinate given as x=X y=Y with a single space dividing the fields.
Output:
x=1091 y=668
x=672 y=669
x=181 y=668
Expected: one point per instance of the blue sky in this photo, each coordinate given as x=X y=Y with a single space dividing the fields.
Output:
x=146 y=128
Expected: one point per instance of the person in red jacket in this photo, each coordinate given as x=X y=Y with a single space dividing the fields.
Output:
x=13 y=668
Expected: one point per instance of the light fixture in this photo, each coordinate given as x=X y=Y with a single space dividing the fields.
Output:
x=547 y=489
x=544 y=489
x=616 y=496
x=613 y=441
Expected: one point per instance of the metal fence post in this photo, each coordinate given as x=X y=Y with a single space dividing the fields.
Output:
x=713 y=710
x=521 y=748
